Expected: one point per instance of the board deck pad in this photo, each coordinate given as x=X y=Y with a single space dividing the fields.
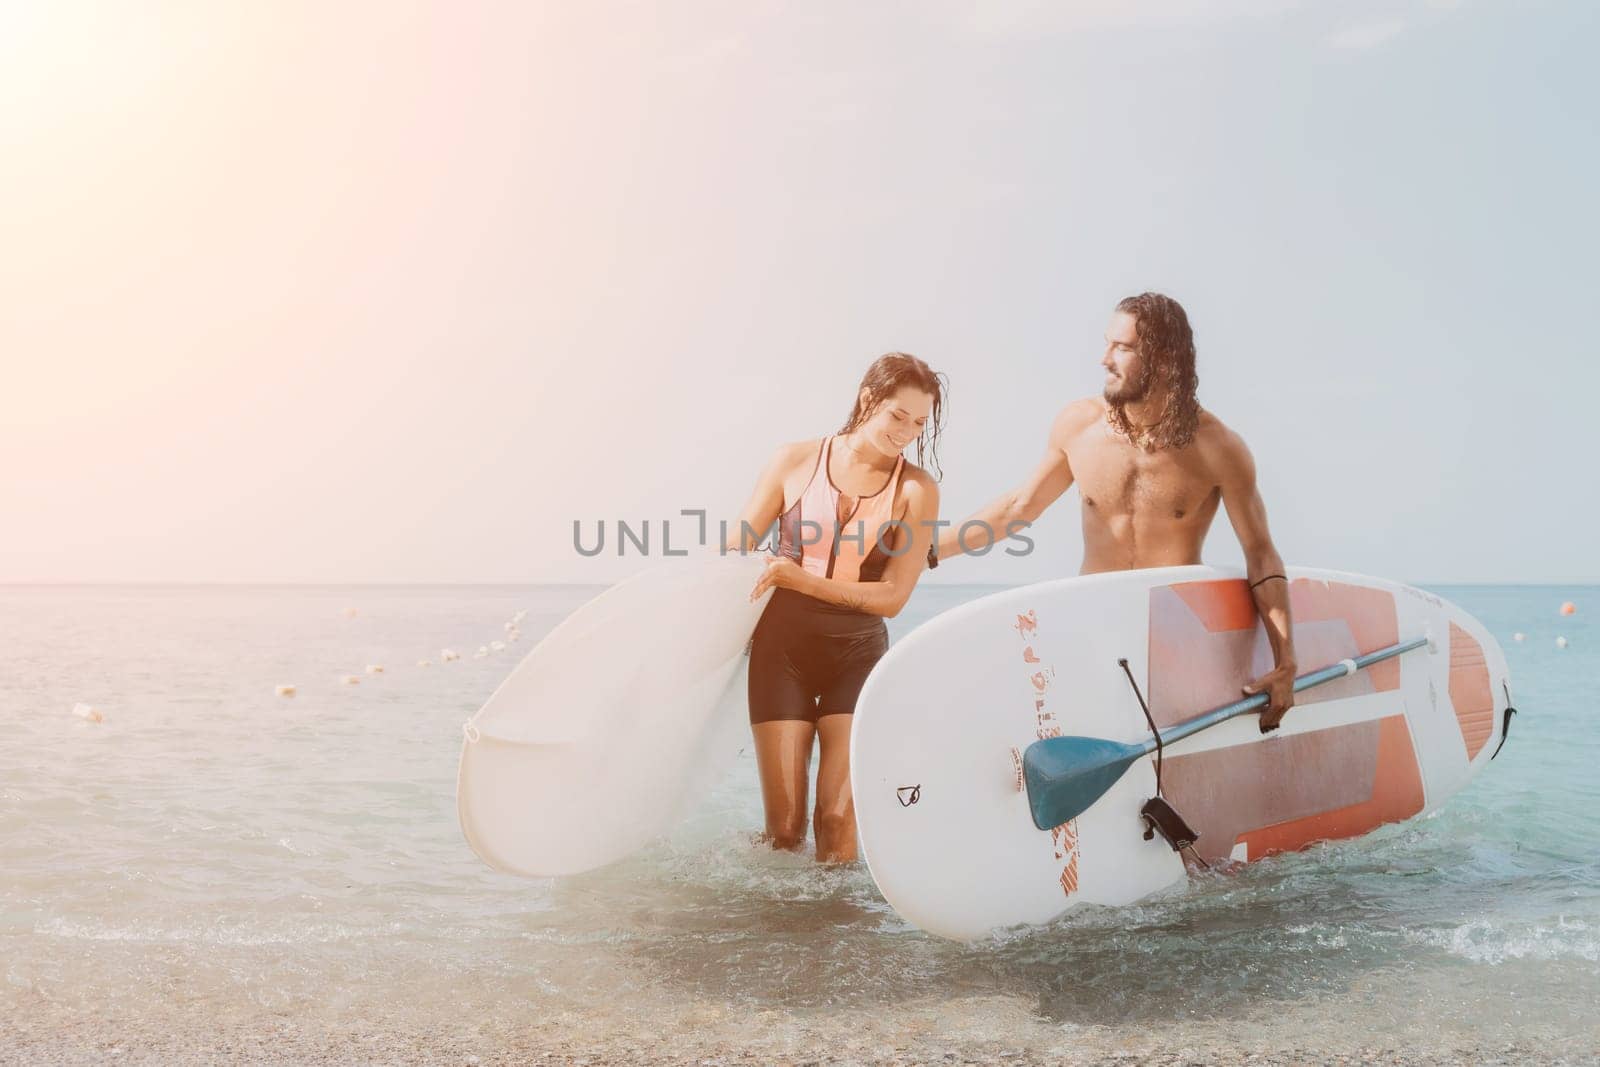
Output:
x=950 y=709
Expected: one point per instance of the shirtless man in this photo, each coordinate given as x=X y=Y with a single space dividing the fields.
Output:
x=1151 y=466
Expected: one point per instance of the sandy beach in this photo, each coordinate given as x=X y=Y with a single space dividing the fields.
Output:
x=712 y=1035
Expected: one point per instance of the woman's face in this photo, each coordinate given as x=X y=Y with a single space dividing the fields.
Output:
x=898 y=420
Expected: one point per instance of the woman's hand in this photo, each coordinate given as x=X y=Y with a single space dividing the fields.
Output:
x=781 y=573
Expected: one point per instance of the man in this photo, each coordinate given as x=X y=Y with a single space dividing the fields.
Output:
x=1151 y=466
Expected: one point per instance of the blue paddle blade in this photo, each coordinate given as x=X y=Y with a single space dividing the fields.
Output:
x=1066 y=775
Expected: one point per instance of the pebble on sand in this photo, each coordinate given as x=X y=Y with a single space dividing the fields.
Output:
x=349 y=613
x=88 y=713
x=352 y=679
x=374 y=668
x=1569 y=608
x=448 y=654
x=424 y=662
x=285 y=690
x=498 y=646
x=1561 y=642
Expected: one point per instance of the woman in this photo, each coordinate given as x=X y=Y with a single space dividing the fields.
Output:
x=855 y=525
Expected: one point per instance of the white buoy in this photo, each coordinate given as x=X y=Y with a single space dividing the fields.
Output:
x=88 y=713
x=448 y=654
x=374 y=668
x=1561 y=642
x=1519 y=637
x=424 y=662
x=285 y=690
x=352 y=679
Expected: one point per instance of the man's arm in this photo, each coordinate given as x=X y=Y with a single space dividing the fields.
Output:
x=1265 y=571
x=1005 y=515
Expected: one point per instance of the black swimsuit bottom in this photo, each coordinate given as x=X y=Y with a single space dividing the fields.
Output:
x=810 y=658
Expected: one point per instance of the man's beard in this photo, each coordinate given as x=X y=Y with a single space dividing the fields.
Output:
x=1127 y=391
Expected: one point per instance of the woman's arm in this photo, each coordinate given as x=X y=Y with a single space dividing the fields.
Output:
x=884 y=597
x=761 y=511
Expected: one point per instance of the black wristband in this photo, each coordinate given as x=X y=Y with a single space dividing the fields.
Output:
x=1268 y=578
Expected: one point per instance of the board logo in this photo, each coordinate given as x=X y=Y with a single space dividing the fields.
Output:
x=908 y=794
x=1063 y=838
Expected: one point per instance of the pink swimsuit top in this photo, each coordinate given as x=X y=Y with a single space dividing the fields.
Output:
x=813 y=534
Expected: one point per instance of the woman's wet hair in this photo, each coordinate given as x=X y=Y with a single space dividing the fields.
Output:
x=886 y=375
x=1167 y=344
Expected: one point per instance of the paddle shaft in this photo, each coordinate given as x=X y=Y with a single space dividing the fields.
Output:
x=1342 y=669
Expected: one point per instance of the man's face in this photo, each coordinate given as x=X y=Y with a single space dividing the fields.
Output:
x=1127 y=378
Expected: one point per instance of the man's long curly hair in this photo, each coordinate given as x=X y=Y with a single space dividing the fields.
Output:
x=1167 y=344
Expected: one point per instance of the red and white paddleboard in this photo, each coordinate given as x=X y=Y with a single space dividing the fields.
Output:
x=943 y=721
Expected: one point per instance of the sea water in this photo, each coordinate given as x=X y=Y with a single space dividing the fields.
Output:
x=214 y=859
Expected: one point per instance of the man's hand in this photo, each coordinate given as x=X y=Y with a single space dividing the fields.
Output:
x=1278 y=684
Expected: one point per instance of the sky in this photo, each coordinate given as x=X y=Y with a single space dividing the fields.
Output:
x=400 y=292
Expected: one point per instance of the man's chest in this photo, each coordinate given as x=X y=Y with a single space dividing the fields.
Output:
x=1116 y=478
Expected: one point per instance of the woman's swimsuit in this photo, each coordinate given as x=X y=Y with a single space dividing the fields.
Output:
x=810 y=658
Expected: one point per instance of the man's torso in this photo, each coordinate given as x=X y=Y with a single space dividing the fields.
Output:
x=1142 y=509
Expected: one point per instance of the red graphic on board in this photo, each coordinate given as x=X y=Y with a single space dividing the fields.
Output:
x=1063 y=838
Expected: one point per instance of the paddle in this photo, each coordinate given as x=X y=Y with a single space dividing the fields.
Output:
x=1066 y=775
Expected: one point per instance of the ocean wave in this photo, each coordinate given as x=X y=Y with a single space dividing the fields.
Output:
x=1483 y=941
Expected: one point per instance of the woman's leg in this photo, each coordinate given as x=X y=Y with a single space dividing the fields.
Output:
x=783 y=755
x=836 y=809
x=783 y=711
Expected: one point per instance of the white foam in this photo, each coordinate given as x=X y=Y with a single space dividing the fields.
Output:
x=1482 y=941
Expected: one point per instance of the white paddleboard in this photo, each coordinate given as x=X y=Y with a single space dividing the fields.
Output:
x=613 y=724
x=943 y=720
